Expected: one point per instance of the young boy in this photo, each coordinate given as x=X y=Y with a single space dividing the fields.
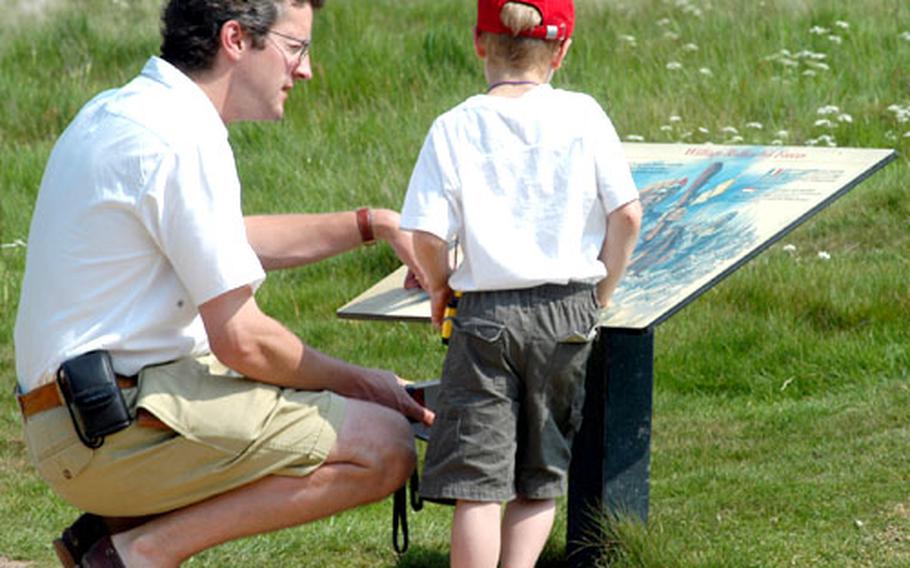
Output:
x=533 y=183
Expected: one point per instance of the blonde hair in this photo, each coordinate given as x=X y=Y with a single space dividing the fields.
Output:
x=519 y=17
x=518 y=52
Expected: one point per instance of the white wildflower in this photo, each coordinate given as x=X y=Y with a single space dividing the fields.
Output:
x=705 y=71
x=635 y=138
x=905 y=36
x=824 y=123
x=824 y=255
x=786 y=62
x=828 y=109
x=782 y=134
x=906 y=134
x=842 y=24
x=755 y=125
x=902 y=114
x=690 y=47
x=729 y=130
x=664 y=22
x=674 y=66
x=735 y=139
x=627 y=38
x=845 y=118
x=811 y=142
x=672 y=36
x=704 y=130
x=819 y=65
x=818 y=30
x=666 y=128
x=817 y=56
x=675 y=118
x=777 y=142
x=789 y=248
x=835 y=39
x=809 y=73
x=16 y=243
x=828 y=140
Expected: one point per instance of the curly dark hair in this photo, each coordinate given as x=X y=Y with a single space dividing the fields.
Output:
x=190 y=28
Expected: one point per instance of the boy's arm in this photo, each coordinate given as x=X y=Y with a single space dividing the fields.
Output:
x=623 y=225
x=433 y=258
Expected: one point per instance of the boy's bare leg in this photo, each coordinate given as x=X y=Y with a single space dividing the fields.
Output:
x=475 y=534
x=526 y=526
x=373 y=456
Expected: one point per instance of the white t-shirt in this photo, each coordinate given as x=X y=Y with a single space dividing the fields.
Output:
x=138 y=221
x=525 y=184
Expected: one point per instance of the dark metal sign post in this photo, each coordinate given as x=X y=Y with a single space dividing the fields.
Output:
x=611 y=456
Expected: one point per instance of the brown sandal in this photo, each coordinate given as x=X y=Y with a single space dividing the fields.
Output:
x=102 y=554
x=78 y=538
x=88 y=529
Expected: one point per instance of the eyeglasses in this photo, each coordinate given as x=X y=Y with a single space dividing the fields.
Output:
x=294 y=53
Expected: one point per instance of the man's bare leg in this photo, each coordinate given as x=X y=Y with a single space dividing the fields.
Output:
x=373 y=456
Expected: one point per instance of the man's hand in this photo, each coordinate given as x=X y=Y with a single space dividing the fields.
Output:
x=386 y=388
x=386 y=227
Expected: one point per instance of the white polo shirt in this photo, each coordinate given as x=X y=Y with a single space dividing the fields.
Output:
x=525 y=184
x=138 y=221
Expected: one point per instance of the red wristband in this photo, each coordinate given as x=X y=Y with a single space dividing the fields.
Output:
x=365 y=225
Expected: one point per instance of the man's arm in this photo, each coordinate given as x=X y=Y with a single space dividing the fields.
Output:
x=286 y=241
x=260 y=348
x=433 y=257
x=623 y=226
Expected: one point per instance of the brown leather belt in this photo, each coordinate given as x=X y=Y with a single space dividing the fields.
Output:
x=48 y=396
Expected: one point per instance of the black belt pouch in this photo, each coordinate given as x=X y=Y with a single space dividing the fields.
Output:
x=95 y=403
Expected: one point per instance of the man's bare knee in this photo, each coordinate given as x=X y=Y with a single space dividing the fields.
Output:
x=378 y=439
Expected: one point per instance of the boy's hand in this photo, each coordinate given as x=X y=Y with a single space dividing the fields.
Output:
x=439 y=299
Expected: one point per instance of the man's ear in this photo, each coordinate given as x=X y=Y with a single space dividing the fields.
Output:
x=233 y=39
x=560 y=54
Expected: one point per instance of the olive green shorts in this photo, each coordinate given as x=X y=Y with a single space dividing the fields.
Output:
x=511 y=396
x=227 y=431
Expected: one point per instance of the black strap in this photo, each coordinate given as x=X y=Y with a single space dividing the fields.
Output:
x=400 y=512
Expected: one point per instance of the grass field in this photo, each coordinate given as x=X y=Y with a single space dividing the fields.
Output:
x=781 y=425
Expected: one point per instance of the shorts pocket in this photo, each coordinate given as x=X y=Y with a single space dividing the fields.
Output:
x=55 y=448
x=486 y=330
x=65 y=464
x=220 y=410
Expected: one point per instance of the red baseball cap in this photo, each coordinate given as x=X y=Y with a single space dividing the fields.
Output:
x=558 y=18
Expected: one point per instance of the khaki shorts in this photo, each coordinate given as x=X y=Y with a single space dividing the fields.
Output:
x=227 y=431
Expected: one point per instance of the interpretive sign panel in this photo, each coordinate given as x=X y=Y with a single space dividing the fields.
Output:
x=707 y=210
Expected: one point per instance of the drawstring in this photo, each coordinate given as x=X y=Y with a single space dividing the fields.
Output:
x=400 y=511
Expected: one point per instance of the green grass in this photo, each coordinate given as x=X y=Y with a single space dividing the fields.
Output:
x=780 y=429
